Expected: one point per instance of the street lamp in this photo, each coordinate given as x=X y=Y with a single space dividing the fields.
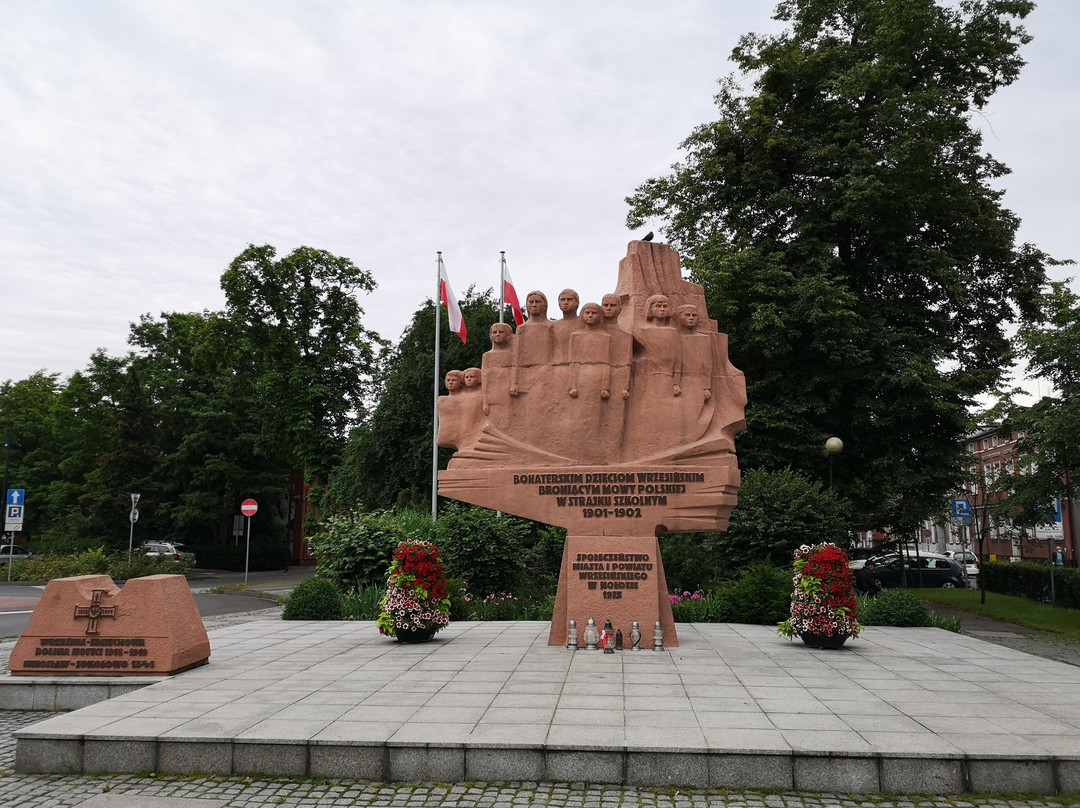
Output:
x=133 y=517
x=833 y=447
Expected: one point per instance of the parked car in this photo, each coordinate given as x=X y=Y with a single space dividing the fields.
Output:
x=967 y=558
x=16 y=553
x=926 y=570
x=170 y=550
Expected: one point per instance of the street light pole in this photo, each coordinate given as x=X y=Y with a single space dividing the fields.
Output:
x=833 y=447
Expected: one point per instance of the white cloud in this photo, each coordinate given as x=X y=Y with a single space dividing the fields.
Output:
x=145 y=145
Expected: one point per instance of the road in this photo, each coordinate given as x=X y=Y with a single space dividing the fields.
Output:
x=17 y=599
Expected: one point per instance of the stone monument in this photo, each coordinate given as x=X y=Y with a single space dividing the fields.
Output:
x=87 y=626
x=616 y=422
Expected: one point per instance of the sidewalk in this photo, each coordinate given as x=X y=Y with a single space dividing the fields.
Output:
x=734 y=706
x=925 y=667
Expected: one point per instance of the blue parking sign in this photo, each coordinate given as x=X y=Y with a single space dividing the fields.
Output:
x=961 y=508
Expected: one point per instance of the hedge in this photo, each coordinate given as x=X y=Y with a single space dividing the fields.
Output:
x=1027 y=580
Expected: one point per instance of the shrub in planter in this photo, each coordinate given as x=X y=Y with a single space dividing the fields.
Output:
x=314 y=599
x=823 y=603
x=416 y=600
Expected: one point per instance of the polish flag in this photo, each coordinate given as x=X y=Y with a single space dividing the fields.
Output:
x=457 y=322
x=511 y=298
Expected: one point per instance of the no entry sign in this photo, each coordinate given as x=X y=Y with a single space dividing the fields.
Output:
x=249 y=507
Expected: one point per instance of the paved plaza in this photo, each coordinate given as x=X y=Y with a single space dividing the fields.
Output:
x=734 y=707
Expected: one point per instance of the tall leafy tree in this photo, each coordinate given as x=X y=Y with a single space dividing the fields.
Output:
x=1049 y=466
x=387 y=462
x=851 y=237
x=299 y=323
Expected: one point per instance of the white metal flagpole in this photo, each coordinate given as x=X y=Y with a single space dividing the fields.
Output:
x=502 y=283
x=435 y=405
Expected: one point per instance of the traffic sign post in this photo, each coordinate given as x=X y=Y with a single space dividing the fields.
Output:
x=14 y=507
x=249 y=508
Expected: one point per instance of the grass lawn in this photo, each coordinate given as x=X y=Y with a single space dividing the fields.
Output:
x=1026 y=612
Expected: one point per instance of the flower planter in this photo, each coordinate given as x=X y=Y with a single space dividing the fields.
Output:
x=416 y=635
x=826 y=641
x=415 y=594
x=824 y=611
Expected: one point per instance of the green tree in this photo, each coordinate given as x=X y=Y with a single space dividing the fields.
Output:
x=777 y=513
x=387 y=462
x=845 y=223
x=1050 y=444
x=208 y=428
x=299 y=324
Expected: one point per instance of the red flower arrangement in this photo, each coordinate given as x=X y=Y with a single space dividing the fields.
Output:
x=415 y=591
x=823 y=601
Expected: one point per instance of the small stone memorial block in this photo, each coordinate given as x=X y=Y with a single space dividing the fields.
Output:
x=87 y=626
x=615 y=419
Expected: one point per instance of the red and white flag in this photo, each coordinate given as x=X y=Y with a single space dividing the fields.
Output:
x=510 y=295
x=446 y=294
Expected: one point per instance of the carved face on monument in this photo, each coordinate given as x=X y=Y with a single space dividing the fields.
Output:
x=500 y=335
x=454 y=381
x=612 y=307
x=658 y=307
x=472 y=378
x=591 y=314
x=688 y=316
x=568 y=303
x=536 y=304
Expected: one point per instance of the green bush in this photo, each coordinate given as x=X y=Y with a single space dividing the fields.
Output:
x=95 y=562
x=314 y=599
x=484 y=549
x=777 y=513
x=459 y=604
x=761 y=595
x=356 y=548
x=895 y=607
x=362 y=603
x=1027 y=580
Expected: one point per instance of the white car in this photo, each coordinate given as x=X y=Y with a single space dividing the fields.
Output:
x=967 y=558
x=16 y=553
x=169 y=550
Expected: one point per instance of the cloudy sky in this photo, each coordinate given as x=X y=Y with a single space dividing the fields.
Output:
x=143 y=145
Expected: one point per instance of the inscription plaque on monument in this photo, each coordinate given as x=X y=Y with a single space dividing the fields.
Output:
x=87 y=626
x=616 y=423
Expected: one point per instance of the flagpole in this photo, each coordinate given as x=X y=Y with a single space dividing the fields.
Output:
x=435 y=405
x=502 y=283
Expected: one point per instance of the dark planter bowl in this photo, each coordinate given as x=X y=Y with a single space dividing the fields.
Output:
x=825 y=641
x=415 y=635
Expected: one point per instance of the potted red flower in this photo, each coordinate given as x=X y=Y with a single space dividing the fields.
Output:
x=824 y=612
x=416 y=604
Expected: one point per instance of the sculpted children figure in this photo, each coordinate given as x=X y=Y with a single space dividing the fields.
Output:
x=622 y=345
x=695 y=411
x=653 y=417
x=451 y=427
x=590 y=413
x=496 y=366
x=472 y=407
x=533 y=373
x=533 y=346
x=590 y=355
x=661 y=353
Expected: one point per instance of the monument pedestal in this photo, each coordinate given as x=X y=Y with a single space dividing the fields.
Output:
x=87 y=626
x=617 y=579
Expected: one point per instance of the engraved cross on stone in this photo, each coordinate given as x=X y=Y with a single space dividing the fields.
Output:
x=94 y=611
